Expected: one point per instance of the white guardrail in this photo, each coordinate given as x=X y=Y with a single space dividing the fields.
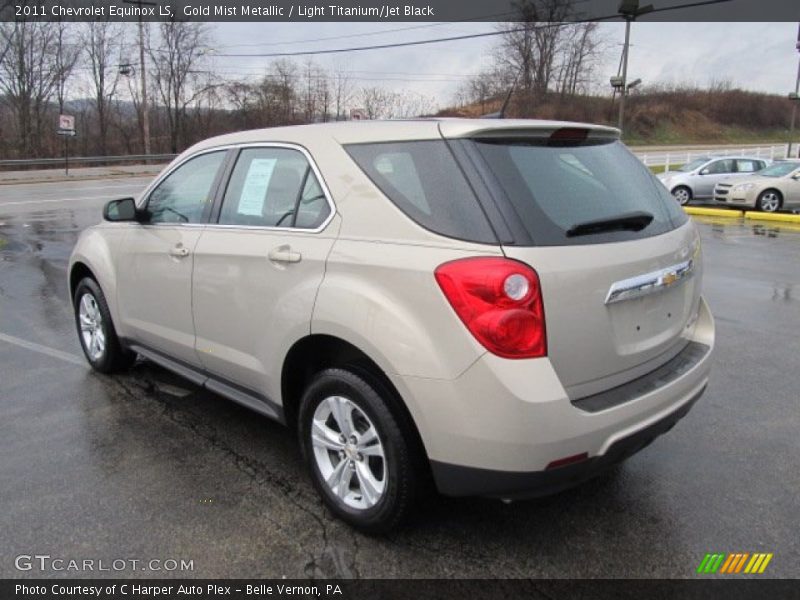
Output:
x=677 y=157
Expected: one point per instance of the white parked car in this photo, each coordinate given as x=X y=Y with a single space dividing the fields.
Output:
x=696 y=179
x=507 y=306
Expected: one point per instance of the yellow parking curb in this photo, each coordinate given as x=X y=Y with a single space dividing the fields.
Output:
x=761 y=216
x=713 y=212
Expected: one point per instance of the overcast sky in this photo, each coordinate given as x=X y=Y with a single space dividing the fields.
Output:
x=754 y=56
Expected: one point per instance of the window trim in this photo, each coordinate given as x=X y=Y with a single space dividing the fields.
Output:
x=224 y=177
x=216 y=211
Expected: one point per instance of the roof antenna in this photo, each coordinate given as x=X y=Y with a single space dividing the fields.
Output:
x=501 y=114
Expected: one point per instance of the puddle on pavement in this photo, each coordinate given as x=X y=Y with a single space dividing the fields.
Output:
x=723 y=227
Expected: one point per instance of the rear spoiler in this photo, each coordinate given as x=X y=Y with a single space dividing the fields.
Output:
x=516 y=129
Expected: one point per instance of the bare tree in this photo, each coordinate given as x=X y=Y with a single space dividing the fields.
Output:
x=487 y=87
x=580 y=53
x=311 y=72
x=67 y=54
x=529 y=47
x=177 y=72
x=342 y=92
x=103 y=42
x=28 y=78
x=377 y=102
x=408 y=104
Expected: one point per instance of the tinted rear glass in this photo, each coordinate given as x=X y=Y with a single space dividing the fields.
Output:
x=551 y=189
x=423 y=180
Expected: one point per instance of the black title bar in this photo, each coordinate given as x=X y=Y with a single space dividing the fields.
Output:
x=391 y=10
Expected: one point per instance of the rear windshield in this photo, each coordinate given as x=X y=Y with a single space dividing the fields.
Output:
x=552 y=189
x=424 y=181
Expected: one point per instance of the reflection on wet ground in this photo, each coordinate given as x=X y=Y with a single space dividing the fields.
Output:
x=146 y=465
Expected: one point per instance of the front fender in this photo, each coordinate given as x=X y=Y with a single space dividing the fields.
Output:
x=95 y=249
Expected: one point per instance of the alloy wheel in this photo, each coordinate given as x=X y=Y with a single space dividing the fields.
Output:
x=681 y=195
x=349 y=453
x=91 y=323
x=769 y=202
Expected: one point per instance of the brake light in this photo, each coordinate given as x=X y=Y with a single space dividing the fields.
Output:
x=566 y=136
x=500 y=302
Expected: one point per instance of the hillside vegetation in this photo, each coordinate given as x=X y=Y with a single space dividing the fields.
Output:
x=661 y=115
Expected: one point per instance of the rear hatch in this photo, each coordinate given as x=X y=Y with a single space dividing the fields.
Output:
x=617 y=258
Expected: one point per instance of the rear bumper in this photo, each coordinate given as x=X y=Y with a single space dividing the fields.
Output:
x=495 y=429
x=456 y=480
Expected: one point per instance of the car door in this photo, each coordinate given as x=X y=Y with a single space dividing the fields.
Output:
x=792 y=196
x=257 y=269
x=155 y=263
x=711 y=175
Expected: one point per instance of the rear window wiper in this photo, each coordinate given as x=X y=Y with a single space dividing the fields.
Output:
x=632 y=221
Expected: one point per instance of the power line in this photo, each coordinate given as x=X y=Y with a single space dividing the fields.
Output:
x=365 y=34
x=454 y=38
x=397 y=44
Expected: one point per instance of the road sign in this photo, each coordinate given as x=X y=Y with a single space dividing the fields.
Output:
x=66 y=123
x=358 y=114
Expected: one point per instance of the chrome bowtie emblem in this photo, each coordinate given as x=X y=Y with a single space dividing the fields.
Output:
x=649 y=283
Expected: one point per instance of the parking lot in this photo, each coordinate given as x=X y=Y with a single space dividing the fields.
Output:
x=145 y=466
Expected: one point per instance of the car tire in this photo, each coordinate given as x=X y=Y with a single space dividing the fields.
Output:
x=682 y=194
x=96 y=331
x=369 y=482
x=769 y=201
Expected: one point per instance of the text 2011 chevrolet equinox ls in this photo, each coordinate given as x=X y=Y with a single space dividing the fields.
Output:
x=506 y=306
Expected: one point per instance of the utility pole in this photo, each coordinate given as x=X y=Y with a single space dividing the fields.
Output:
x=143 y=75
x=629 y=9
x=624 y=92
x=794 y=98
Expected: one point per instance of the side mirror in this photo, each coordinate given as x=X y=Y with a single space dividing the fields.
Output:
x=123 y=209
x=704 y=171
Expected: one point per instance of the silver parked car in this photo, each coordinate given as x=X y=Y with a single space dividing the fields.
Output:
x=696 y=179
x=506 y=307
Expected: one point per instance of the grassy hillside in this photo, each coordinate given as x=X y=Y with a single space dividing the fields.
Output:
x=661 y=116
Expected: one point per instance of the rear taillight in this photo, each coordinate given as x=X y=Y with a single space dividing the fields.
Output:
x=500 y=302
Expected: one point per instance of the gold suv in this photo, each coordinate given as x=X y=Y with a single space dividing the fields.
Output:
x=504 y=307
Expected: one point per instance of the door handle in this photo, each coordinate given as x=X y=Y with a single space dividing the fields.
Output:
x=284 y=254
x=179 y=251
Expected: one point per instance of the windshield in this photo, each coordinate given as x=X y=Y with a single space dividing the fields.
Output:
x=779 y=169
x=555 y=190
x=695 y=164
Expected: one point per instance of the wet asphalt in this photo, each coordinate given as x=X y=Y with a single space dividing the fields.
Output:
x=146 y=466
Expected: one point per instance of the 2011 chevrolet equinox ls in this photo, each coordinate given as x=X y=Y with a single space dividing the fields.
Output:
x=509 y=306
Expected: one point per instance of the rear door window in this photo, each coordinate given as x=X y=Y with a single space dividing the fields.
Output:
x=274 y=187
x=424 y=181
x=551 y=189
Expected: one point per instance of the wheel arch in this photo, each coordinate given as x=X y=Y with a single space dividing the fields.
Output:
x=316 y=352
x=78 y=271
